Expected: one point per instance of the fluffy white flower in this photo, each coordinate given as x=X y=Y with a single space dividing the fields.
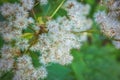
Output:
x=6 y=62
x=21 y=23
x=25 y=70
x=116 y=44
x=54 y=45
x=7 y=9
x=40 y=73
x=27 y=4
x=109 y=22
x=30 y=20
x=22 y=44
x=77 y=12
x=20 y=12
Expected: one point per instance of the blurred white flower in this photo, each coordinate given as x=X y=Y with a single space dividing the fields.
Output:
x=7 y=9
x=27 y=4
x=109 y=22
x=7 y=60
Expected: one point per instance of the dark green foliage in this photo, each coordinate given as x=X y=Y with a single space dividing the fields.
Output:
x=7 y=76
x=57 y=72
x=35 y=58
x=96 y=63
x=1 y=42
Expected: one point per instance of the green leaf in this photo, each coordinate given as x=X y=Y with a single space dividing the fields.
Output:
x=35 y=58
x=7 y=76
x=27 y=35
x=49 y=10
x=40 y=20
x=78 y=65
x=61 y=12
x=1 y=42
x=57 y=72
x=51 y=7
x=6 y=1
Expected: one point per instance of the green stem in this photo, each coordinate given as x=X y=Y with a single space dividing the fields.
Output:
x=34 y=14
x=36 y=4
x=115 y=39
x=57 y=9
x=87 y=31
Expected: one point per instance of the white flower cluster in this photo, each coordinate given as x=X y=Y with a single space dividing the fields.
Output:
x=17 y=19
x=26 y=71
x=109 y=22
x=54 y=44
x=6 y=62
x=17 y=16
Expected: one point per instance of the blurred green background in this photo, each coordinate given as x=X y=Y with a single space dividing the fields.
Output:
x=97 y=59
